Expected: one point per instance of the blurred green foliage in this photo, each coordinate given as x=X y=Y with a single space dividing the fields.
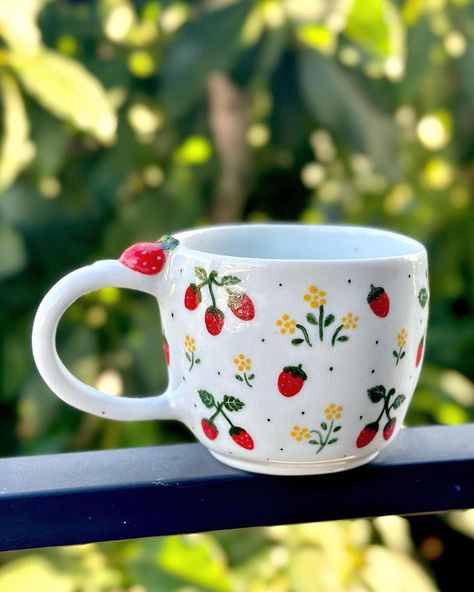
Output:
x=122 y=121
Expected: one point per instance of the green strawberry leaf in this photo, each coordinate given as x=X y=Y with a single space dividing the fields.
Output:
x=333 y=441
x=207 y=398
x=239 y=378
x=343 y=338
x=229 y=280
x=311 y=318
x=232 y=403
x=337 y=428
x=329 y=319
x=423 y=297
x=398 y=401
x=200 y=273
x=324 y=425
x=391 y=392
x=376 y=393
x=297 y=341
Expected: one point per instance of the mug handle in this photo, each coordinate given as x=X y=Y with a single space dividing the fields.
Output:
x=102 y=274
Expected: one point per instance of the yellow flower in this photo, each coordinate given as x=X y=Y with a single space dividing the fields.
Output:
x=243 y=363
x=402 y=338
x=285 y=324
x=189 y=344
x=333 y=411
x=315 y=297
x=349 y=321
x=300 y=433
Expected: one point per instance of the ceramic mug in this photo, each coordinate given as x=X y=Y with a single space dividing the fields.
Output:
x=292 y=349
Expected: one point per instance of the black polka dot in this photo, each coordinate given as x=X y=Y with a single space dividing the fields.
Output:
x=195 y=405
x=103 y=412
x=281 y=449
x=349 y=281
x=361 y=416
x=219 y=373
x=409 y=275
x=331 y=368
x=373 y=371
x=181 y=270
x=184 y=378
x=230 y=452
x=268 y=419
x=303 y=412
x=172 y=315
x=280 y=285
x=377 y=342
x=263 y=340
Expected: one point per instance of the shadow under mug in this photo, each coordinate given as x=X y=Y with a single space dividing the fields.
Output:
x=292 y=349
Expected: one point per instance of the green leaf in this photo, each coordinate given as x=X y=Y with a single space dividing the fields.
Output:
x=391 y=392
x=238 y=377
x=398 y=401
x=188 y=356
x=13 y=251
x=324 y=425
x=329 y=319
x=197 y=361
x=333 y=441
x=16 y=149
x=337 y=428
x=344 y=104
x=251 y=376
x=232 y=403
x=208 y=43
x=201 y=273
x=316 y=442
x=229 y=280
x=395 y=354
x=377 y=27
x=343 y=338
x=402 y=355
x=64 y=87
x=207 y=398
x=376 y=393
x=311 y=318
x=423 y=297
x=297 y=341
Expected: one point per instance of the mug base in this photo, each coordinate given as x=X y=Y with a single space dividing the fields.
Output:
x=272 y=467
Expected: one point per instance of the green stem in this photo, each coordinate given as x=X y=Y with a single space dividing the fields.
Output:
x=323 y=443
x=336 y=333
x=246 y=381
x=218 y=410
x=321 y=320
x=319 y=434
x=387 y=407
x=305 y=334
x=211 y=292
x=192 y=361
x=224 y=414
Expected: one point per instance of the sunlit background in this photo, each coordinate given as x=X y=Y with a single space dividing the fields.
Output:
x=122 y=121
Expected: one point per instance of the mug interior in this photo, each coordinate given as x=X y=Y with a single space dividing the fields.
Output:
x=299 y=242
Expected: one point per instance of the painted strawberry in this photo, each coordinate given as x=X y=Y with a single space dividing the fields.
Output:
x=242 y=306
x=379 y=301
x=192 y=297
x=241 y=437
x=419 y=352
x=214 y=319
x=166 y=349
x=291 y=380
x=389 y=427
x=147 y=258
x=209 y=429
x=367 y=434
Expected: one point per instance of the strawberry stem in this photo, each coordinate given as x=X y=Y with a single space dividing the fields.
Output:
x=211 y=292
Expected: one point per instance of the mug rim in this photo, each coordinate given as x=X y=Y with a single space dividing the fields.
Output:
x=416 y=248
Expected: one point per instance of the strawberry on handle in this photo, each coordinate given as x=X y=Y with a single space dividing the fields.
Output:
x=148 y=258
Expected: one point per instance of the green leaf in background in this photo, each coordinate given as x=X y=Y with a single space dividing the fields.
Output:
x=197 y=559
x=204 y=45
x=16 y=148
x=64 y=87
x=340 y=103
x=12 y=249
x=376 y=26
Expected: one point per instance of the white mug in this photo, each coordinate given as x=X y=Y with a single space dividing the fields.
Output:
x=292 y=349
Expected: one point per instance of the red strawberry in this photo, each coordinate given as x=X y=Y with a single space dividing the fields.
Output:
x=209 y=429
x=214 y=319
x=147 y=258
x=192 y=297
x=379 y=301
x=291 y=380
x=242 y=306
x=367 y=434
x=389 y=427
x=241 y=437
x=419 y=352
x=166 y=349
